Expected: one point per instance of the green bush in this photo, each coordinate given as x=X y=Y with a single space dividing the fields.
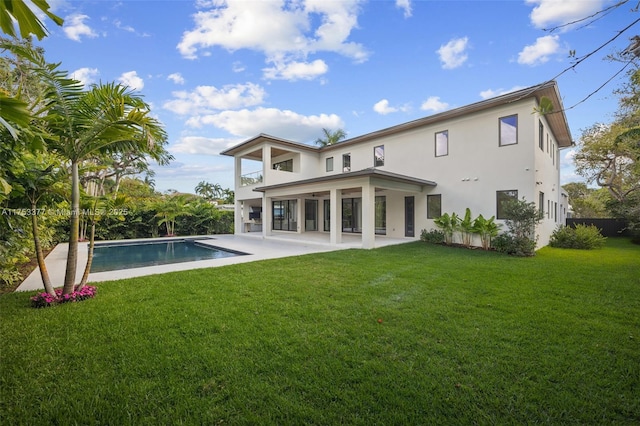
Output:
x=517 y=246
x=581 y=237
x=433 y=236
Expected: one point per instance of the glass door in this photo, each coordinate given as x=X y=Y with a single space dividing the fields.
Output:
x=310 y=215
x=409 y=216
x=352 y=214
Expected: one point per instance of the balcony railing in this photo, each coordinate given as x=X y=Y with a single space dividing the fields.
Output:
x=251 y=178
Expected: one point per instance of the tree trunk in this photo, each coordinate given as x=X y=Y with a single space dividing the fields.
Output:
x=46 y=281
x=74 y=221
x=87 y=269
x=117 y=186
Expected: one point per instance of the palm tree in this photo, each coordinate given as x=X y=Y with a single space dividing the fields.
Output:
x=331 y=137
x=38 y=179
x=80 y=125
x=108 y=118
x=170 y=207
x=14 y=109
x=204 y=189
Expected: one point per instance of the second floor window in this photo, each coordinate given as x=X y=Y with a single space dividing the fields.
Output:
x=509 y=130
x=378 y=156
x=346 y=163
x=329 y=164
x=442 y=143
x=541 y=135
x=284 y=166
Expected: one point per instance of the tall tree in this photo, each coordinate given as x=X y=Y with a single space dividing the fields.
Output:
x=108 y=118
x=331 y=137
x=37 y=178
x=79 y=125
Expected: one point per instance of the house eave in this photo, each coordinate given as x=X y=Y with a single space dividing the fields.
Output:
x=369 y=173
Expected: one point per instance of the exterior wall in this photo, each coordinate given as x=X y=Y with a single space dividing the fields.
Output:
x=475 y=168
x=547 y=161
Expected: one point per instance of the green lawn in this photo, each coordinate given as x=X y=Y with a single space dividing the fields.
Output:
x=466 y=337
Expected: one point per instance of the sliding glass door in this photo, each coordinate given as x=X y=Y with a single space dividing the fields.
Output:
x=284 y=215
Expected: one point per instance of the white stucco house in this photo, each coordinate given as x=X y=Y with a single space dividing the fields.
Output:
x=395 y=181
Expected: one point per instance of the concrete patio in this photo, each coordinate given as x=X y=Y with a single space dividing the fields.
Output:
x=258 y=248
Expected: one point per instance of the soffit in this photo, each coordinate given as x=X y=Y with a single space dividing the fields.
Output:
x=371 y=172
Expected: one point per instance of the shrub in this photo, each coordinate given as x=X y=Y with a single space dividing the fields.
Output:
x=516 y=246
x=581 y=237
x=521 y=220
x=44 y=300
x=447 y=224
x=432 y=236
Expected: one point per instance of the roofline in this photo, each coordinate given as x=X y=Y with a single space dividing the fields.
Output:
x=538 y=91
x=265 y=137
x=370 y=172
x=549 y=89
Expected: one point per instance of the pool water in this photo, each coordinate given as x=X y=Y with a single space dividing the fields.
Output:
x=116 y=256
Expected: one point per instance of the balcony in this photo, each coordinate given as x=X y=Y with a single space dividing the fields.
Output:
x=252 y=178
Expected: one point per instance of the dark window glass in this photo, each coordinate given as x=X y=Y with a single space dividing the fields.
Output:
x=434 y=206
x=346 y=163
x=501 y=198
x=284 y=166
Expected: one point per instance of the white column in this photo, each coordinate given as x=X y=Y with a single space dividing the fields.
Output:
x=368 y=216
x=266 y=163
x=266 y=215
x=237 y=218
x=335 y=201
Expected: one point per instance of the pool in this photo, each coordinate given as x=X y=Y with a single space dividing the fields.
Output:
x=127 y=255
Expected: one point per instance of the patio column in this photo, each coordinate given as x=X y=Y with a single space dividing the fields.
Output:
x=335 y=201
x=266 y=215
x=237 y=218
x=368 y=216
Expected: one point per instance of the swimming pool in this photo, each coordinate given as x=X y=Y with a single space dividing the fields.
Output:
x=127 y=255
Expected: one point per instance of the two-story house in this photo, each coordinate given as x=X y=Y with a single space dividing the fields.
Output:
x=395 y=181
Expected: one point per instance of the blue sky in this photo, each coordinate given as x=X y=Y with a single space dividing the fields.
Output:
x=219 y=72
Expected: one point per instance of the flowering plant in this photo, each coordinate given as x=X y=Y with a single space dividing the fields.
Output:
x=44 y=300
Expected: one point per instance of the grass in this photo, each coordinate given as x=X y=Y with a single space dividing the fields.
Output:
x=466 y=337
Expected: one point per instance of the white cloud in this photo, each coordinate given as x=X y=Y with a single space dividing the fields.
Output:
x=406 y=6
x=433 y=103
x=202 y=145
x=296 y=70
x=132 y=80
x=75 y=28
x=540 y=52
x=86 y=76
x=453 y=54
x=382 y=107
x=176 y=77
x=283 y=31
x=559 y=12
x=283 y=123
x=206 y=99
x=491 y=93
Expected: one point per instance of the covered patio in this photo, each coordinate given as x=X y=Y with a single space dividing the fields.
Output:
x=364 y=209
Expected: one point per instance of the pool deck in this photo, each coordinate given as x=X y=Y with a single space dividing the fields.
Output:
x=258 y=248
